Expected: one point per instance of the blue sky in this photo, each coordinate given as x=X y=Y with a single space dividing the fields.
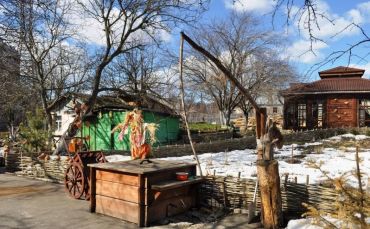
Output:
x=342 y=12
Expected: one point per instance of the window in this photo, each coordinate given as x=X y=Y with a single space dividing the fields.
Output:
x=302 y=115
x=317 y=114
x=274 y=110
x=58 y=122
x=290 y=119
x=320 y=109
x=364 y=119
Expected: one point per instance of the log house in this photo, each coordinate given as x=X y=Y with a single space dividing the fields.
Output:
x=341 y=98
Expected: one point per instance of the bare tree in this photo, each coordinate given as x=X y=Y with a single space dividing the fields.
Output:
x=267 y=74
x=128 y=25
x=40 y=31
x=237 y=42
x=139 y=71
x=14 y=93
x=309 y=17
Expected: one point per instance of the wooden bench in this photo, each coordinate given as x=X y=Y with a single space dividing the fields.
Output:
x=171 y=184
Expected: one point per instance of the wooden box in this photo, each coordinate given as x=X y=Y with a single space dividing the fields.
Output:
x=142 y=193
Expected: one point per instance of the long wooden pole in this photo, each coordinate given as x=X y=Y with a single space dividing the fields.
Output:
x=267 y=170
x=223 y=70
x=184 y=113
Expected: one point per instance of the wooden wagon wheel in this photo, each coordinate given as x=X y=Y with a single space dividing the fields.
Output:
x=100 y=158
x=74 y=180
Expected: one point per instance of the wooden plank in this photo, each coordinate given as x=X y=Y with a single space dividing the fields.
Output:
x=170 y=184
x=143 y=218
x=169 y=207
x=134 y=166
x=118 y=191
x=117 y=208
x=156 y=178
x=154 y=196
x=342 y=112
x=92 y=189
x=128 y=179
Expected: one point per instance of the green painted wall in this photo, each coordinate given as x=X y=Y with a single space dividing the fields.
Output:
x=100 y=128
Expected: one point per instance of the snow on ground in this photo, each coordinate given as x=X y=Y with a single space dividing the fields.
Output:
x=117 y=157
x=336 y=161
x=310 y=223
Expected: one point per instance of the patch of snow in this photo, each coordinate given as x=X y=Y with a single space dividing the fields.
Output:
x=62 y=158
x=302 y=224
x=312 y=144
x=361 y=137
x=350 y=136
x=310 y=223
x=347 y=136
x=117 y=157
x=335 y=138
x=336 y=162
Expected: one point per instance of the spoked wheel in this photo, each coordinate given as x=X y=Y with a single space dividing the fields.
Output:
x=100 y=158
x=74 y=180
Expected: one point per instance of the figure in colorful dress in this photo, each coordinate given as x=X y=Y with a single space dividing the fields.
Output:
x=140 y=149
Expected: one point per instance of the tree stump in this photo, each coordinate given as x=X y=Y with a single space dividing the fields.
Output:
x=269 y=182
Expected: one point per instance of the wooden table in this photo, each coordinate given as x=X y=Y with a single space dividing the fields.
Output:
x=142 y=193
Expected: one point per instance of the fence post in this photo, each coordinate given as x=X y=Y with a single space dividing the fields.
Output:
x=307 y=179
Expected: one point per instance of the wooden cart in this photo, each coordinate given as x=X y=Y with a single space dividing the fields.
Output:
x=77 y=176
x=142 y=193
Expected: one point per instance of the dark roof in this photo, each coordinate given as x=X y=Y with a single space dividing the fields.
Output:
x=341 y=71
x=118 y=102
x=335 y=80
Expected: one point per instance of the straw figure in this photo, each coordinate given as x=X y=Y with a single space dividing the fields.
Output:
x=139 y=148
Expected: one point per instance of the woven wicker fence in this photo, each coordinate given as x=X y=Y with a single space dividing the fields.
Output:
x=236 y=193
x=31 y=166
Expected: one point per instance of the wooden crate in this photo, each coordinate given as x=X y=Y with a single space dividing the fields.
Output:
x=142 y=194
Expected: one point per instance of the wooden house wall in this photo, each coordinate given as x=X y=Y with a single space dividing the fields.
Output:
x=342 y=112
x=338 y=111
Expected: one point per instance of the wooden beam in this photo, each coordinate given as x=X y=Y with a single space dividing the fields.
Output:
x=271 y=203
x=223 y=69
x=182 y=91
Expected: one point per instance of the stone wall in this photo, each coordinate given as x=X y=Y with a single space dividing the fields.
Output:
x=207 y=137
x=206 y=147
x=315 y=135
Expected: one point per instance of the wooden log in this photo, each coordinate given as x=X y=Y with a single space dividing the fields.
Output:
x=92 y=189
x=269 y=182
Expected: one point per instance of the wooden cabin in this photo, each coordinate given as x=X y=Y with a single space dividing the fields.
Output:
x=109 y=111
x=341 y=98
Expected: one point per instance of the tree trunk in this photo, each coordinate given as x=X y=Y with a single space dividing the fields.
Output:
x=227 y=118
x=222 y=118
x=246 y=117
x=46 y=109
x=271 y=204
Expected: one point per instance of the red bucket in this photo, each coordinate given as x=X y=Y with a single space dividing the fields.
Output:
x=182 y=176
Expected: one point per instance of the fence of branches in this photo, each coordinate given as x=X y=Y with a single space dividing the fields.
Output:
x=234 y=193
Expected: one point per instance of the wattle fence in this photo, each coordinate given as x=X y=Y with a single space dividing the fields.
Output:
x=235 y=194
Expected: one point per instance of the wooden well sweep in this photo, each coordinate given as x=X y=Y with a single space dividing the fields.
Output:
x=265 y=140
